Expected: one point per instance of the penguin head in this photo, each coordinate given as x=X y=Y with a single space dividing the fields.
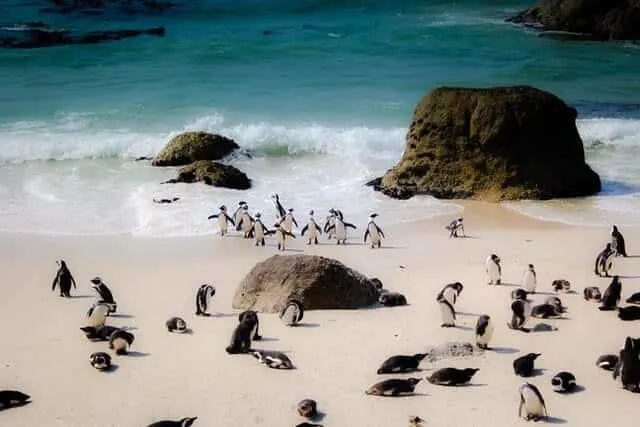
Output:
x=275 y=196
x=614 y=229
x=223 y=208
x=96 y=281
x=276 y=225
x=373 y=215
x=61 y=263
x=311 y=212
x=257 y=215
x=242 y=203
x=419 y=356
x=245 y=208
x=187 y=422
x=414 y=381
x=290 y=210
x=460 y=219
x=471 y=371
x=531 y=267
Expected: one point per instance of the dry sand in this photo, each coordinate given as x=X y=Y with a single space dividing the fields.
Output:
x=337 y=353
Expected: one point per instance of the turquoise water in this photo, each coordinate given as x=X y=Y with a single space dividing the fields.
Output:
x=323 y=90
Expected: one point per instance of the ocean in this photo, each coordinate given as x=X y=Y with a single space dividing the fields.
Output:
x=322 y=91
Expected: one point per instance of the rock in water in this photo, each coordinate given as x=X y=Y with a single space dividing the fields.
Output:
x=213 y=173
x=189 y=147
x=317 y=282
x=600 y=19
x=502 y=143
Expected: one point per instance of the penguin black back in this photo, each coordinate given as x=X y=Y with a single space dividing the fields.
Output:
x=13 y=398
x=523 y=365
x=612 y=295
x=185 y=422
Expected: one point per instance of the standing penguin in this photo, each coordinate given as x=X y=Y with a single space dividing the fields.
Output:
x=97 y=314
x=604 y=261
x=292 y=312
x=223 y=220
x=331 y=220
x=280 y=211
x=288 y=221
x=617 y=242
x=529 y=280
x=374 y=232
x=259 y=230
x=340 y=228
x=484 y=331
x=494 y=271
x=628 y=367
x=104 y=294
x=455 y=226
x=532 y=402
x=203 y=299
x=246 y=222
x=447 y=312
x=612 y=295
x=237 y=215
x=64 y=279
x=313 y=228
x=281 y=236
x=521 y=311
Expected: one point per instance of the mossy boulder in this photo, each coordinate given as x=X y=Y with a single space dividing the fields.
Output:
x=601 y=19
x=502 y=143
x=189 y=147
x=212 y=173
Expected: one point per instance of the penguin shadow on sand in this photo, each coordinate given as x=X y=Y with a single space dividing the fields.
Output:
x=554 y=420
x=503 y=350
x=122 y=316
x=136 y=354
x=81 y=296
x=219 y=315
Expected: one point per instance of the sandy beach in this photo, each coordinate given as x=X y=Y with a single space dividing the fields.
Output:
x=336 y=352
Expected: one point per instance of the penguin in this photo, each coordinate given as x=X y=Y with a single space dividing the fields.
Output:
x=523 y=365
x=97 y=314
x=120 y=341
x=104 y=294
x=604 y=261
x=340 y=228
x=484 y=331
x=100 y=333
x=521 y=311
x=292 y=312
x=259 y=230
x=617 y=242
x=401 y=364
x=450 y=292
x=532 y=402
x=630 y=312
x=329 y=224
x=448 y=313
x=237 y=215
x=392 y=299
x=529 y=280
x=185 y=422
x=561 y=285
x=64 y=279
x=628 y=367
x=563 y=382
x=13 y=398
x=223 y=220
x=393 y=387
x=281 y=236
x=241 y=337
x=415 y=421
x=273 y=359
x=612 y=295
x=634 y=299
x=164 y=201
x=176 y=324
x=519 y=294
x=374 y=232
x=452 y=376
x=307 y=408
x=455 y=226
x=280 y=211
x=100 y=360
x=592 y=293
x=494 y=271
x=545 y=311
x=246 y=223
x=313 y=228
x=608 y=362
x=556 y=302
x=251 y=316
x=203 y=299
x=288 y=221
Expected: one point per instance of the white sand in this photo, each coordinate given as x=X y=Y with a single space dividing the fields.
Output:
x=45 y=355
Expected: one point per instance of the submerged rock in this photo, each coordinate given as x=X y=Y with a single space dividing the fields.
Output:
x=189 y=147
x=212 y=173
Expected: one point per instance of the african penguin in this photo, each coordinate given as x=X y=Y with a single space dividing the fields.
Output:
x=392 y=299
x=592 y=293
x=97 y=314
x=177 y=325
x=259 y=230
x=521 y=311
x=532 y=406
x=246 y=222
x=415 y=421
x=281 y=236
x=223 y=220
x=340 y=228
x=373 y=232
x=313 y=228
x=484 y=331
x=393 y=387
x=280 y=211
x=452 y=376
x=545 y=311
x=237 y=215
x=329 y=225
x=100 y=333
x=241 y=338
x=634 y=299
x=13 y=398
x=612 y=295
x=252 y=317
x=604 y=261
x=292 y=313
x=185 y=422
x=519 y=294
x=288 y=221
x=401 y=364
x=455 y=226
x=494 y=271
x=556 y=302
x=564 y=382
x=307 y=408
x=529 y=279
x=617 y=242
x=628 y=367
x=273 y=359
x=450 y=293
x=64 y=279
x=100 y=360
x=120 y=341
x=203 y=299
x=630 y=312
x=104 y=294
x=447 y=312
x=523 y=365
x=608 y=362
x=561 y=285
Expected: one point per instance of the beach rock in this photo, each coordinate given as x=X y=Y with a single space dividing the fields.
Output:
x=593 y=19
x=451 y=350
x=316 y=281
x=502 y=143
x=212 y=173
x=189 y=147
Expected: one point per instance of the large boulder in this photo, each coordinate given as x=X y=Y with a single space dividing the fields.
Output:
x=189 y=147
x=212 y=173
x=601 y=19
x=318 y=282
x=502 y=143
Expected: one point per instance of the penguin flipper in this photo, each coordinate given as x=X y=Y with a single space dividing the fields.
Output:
x=294 y=222
x=366 y=234
x=55 y=282
x=304 y=229
x=73 y=281
x=289 y=234
x=331 y=227
x=212 y=216
x=318 y=228
x=380 y=231
x=348 y=224
x=239 y=226
x=231 y=220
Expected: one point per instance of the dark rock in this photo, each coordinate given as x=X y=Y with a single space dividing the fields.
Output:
x=318 y=282
x=503 y=143
x=189 y=147
x=600 y=19
x=212 y=173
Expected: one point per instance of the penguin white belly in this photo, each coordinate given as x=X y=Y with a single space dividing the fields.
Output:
x=341 y=231
x=450 y=295
x=493 y=271
x=287 y=223
x=222 y=223
x=246 y=223
x=311 y=229
x=486 y=337
x=529 y=282
x=532 y=404
x=98 y=315
x=290 y=316
x=120 y=345
x=281 y=239
x=448 y=316
x=259 y=232
x=332 y=232
x=373 y=234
